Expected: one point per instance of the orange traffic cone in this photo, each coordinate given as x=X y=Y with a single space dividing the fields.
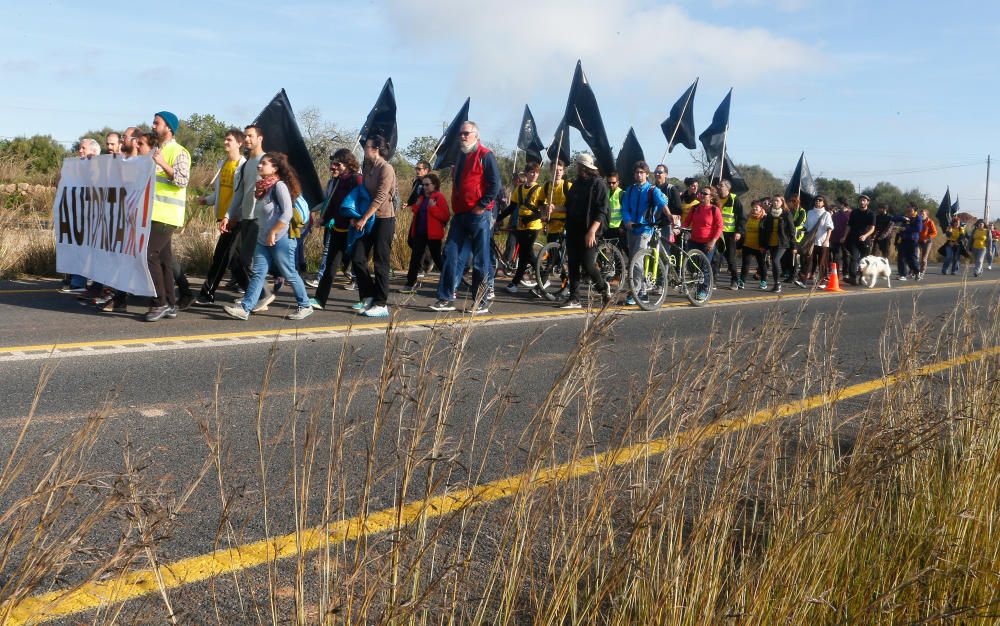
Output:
x=834 y=283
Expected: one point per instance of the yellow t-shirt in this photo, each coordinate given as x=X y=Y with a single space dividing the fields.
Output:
x=979 y=239
x=526 y=199
x=225 y=196
x=772 y=238
x=954 y=232
x=557 y=220
x=752 y=239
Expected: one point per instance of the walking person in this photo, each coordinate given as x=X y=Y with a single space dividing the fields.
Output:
x=274 y=192
x=733 y=220
x=475 y=188
x=221 y=199
x=779 y=234
x=380 y=182
x=860 y=229
x=838 y=244
x=344 y=169
x=927 y=236
x=430 y=217
x=526 y=215
x=908 y=265
x=754 y=246
x=981 y=243
x=953 y=246
x=586 y=219
x=173 y=170
x=816 y=245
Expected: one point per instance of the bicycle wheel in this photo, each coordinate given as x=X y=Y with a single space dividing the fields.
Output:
x=647 y=278
x=551 y=271
x=611 y=264
x=696 y=277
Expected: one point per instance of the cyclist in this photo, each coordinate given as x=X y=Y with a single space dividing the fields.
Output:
x=705 y=221
x=642 y=204
x=586 y=217
x=524 y=204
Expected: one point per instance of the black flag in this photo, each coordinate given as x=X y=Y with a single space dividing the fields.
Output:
x=628 y=156
x=802 y=184
x=583 y=114
x=714 y=137
x=281 y=134
x=943 y=214
x=382 y=119
x=528 y=139
x=955 y=209
x=679 y=127
x=449 y=147
x=730 y=173
x=559 y=148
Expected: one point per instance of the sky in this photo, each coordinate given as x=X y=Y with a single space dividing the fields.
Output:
x=870 y=91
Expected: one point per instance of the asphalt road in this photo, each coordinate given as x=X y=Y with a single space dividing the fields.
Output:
x=166 y=398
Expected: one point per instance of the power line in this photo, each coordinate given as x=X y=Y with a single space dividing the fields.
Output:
x=899 y=172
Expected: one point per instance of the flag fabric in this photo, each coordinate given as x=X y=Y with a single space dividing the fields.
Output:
x=714 y=137
x=729 y=172
x=381 y=119
x=628 y=156
x=801 y=184
x=559 y=148
x=583 y=114
x=528 y=139
x=281 y=134
x=449 y=147
x=955 y=209
x=944 y=214
x=678 y=128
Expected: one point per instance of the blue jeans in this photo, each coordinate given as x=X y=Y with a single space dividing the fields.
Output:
x=706 y=271
x=980 y=255
x=468 y=234
x=326 y=250
x=77 y=281
x=282 y=256
x=951 y=256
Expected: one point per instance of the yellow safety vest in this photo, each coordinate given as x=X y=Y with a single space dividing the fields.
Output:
x=169 y=199
x=729 y=215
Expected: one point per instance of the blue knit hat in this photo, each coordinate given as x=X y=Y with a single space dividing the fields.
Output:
x=170 y=119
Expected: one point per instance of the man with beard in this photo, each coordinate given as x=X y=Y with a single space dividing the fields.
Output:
x=476 y=185
x=860 y=228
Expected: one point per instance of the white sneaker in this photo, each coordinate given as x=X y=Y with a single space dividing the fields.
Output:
x=378 y=310
x=236 y=311
x=262 y=303
x=301 y=313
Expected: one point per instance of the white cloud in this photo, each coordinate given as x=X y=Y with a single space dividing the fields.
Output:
x=650 y=50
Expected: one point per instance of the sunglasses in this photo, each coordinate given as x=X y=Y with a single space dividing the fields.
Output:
x=465 y=133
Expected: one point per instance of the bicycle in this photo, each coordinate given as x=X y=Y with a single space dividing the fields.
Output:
x=656 y=270
x=500 y=264
x=552 y=267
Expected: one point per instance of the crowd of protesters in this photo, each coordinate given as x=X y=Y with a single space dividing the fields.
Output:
x=261 y=220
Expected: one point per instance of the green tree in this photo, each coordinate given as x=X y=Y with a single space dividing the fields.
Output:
x=760 y=180
x=203 y=135
x=834 y=188
x=420 y=148
x=38 y=154
x=888 y=194
x=97 y=135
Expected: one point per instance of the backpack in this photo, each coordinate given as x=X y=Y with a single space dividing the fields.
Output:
x=300 y=217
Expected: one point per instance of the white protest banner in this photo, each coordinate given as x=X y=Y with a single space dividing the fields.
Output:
x=101 y=219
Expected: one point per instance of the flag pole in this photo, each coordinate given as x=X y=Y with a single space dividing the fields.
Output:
x=677 y=127
x=514 y=171
x=722 y=159
x=552 y=187
x=430 y=161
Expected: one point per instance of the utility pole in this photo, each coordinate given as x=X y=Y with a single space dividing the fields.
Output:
x=986 y=201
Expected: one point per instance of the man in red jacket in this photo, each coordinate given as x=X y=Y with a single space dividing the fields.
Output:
x=476 y=185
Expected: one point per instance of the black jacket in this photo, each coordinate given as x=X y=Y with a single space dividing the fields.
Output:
x=586 y=203
x=786 y=230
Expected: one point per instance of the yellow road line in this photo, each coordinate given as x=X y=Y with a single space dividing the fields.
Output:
x=92 y=595
x=20 y=291
x=293 y=331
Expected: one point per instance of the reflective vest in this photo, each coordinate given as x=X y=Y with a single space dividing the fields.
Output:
x=729 y=215
x=615 y=208
x=168 y=198
x=800 y=224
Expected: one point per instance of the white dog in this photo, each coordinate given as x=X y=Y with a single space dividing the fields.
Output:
x=871 y=268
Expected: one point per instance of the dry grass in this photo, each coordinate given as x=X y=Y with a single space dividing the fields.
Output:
x=886 y=512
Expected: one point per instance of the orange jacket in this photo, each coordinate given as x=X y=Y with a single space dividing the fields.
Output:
x=929 y=231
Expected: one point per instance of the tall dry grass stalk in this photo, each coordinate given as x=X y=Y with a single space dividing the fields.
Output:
x=883 y=510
